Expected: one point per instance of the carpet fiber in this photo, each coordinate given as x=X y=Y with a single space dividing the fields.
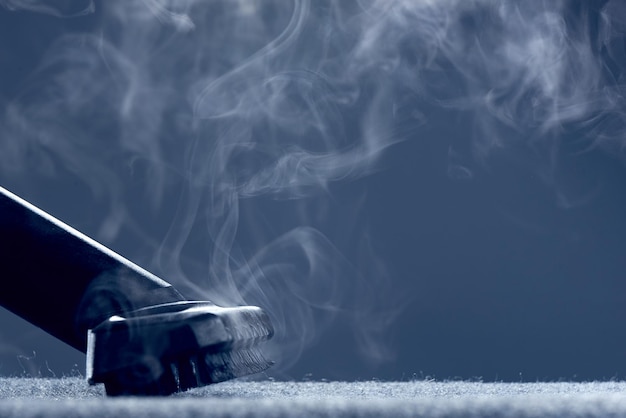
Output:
x=72 y=397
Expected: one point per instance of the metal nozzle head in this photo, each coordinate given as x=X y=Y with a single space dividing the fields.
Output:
x=173 y=347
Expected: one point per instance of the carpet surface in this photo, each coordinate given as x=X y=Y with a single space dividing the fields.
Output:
x=72 y=397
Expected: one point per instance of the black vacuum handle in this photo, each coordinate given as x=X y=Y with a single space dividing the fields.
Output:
x=63 y=281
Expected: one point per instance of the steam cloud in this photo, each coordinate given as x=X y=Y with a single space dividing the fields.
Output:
x=253 y=104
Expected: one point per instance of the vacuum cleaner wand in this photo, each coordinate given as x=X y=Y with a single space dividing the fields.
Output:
x=141 y=336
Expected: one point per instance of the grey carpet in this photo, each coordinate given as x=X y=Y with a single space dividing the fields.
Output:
x=72 y=397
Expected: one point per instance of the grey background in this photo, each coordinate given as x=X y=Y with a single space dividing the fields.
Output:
x=434 y=259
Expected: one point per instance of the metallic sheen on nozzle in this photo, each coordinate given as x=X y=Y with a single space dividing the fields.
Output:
x=141 y=336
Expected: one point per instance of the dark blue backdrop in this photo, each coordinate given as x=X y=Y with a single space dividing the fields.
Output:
x=410 y=189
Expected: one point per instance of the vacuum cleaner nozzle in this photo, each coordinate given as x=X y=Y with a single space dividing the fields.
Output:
x=141 y=336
